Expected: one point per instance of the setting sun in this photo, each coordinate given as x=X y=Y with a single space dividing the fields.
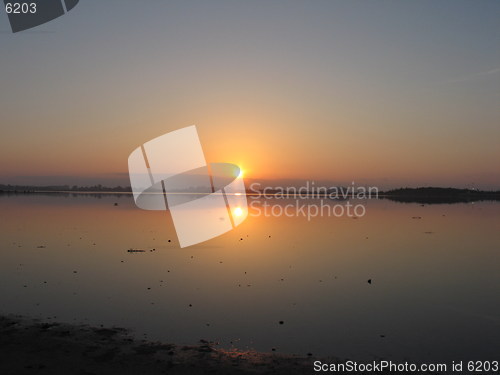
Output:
x=238 y=211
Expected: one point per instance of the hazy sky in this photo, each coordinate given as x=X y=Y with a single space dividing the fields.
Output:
x=387 y=93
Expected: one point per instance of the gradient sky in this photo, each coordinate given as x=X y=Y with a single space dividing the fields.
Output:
x=388 y=93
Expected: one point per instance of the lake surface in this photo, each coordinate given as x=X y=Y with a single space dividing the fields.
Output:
x=434 y=295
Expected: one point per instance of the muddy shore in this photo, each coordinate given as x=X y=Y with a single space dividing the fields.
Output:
x=29 y=346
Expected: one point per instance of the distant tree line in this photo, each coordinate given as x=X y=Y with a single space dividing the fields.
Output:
x=92 y=188
x=439 y=195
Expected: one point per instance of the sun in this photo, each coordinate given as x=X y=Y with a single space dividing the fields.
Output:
x=238 y=211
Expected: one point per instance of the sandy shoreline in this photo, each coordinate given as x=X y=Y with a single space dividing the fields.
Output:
x=29 y=346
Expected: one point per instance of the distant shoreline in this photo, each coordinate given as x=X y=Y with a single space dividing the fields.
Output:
x=422 y=195
x=430 y=195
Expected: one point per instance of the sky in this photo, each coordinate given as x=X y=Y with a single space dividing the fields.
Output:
x=382 y=93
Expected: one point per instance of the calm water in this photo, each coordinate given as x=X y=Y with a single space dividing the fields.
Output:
x=433 y=295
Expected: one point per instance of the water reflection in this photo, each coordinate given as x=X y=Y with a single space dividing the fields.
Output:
x=433 y=292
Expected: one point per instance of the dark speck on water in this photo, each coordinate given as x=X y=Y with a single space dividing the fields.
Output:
x=369 y=281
